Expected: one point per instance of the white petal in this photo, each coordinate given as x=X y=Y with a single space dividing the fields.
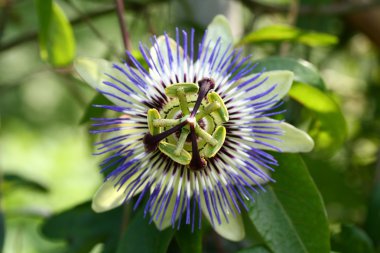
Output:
x=165 y=220
x=93 y=71
x=219 y=28
x=293 y=140
x=242 y=156
x=165 y=61
x=232 y=230
x=281 y=79
x=109 y=196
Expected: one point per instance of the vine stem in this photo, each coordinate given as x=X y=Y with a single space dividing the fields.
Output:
x=123 y=27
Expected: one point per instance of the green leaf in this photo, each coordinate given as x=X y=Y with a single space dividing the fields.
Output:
x=188 y=241
x=13 y=181
x=290 y=215
x=351 y=239
x=316 y=39
x=329 y=130
x=56 y=39
x=271 y=34
x=83 y=229
x=255 y=249
x=280 y=33
x=143 y=237
x=304 y=72
x=372 y=223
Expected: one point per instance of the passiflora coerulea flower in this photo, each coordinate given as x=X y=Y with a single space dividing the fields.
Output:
x=193 y=131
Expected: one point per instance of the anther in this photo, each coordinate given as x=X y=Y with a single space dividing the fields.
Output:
x=181 y=141
x=183 y=101
x=207 y=110
x=205 y=136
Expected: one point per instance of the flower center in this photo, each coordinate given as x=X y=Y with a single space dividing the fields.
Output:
x=188 y=129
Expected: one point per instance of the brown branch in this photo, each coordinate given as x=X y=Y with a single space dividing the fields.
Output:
x=342 y=8
x=136 y=7
x=33 y=35
x=367 y=23
x=293 y=12
x=123 y=27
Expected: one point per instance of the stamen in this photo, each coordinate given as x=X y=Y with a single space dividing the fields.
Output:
x=197 y=162
x=205 y=85
x=205 y=136
x=207 y=110
x=183 y=101
x=151 y=142
x=181 y=141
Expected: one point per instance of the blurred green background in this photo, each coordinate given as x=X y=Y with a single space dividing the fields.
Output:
x=46 y=162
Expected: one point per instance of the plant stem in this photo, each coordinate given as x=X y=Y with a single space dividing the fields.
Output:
x=123 y=27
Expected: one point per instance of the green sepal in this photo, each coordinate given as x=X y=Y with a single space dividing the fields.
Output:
x=152 y=115
x=168 y=149
x=220 y=135
x=188 y=88
x=222 y=111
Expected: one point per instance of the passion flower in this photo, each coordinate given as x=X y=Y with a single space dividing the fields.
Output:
x=193 y=129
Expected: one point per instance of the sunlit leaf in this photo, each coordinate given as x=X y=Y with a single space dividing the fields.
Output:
x=329 y=130
x=271 y=34
x=56 y=39
x=304 y=71
x=315 y=39
x=351 y=239
x=13 y=181
x=280 y=33
x=290 y=215
x=82 y=229
x=143 y=237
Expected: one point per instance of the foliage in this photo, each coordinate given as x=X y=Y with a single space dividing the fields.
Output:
x=282 y=210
